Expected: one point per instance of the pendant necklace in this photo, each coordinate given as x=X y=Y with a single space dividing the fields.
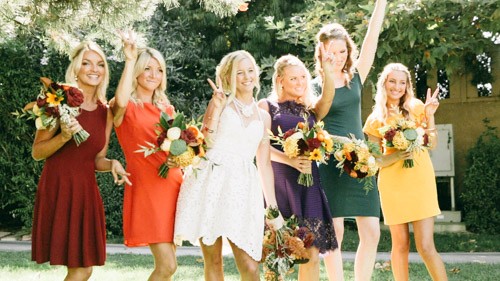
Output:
x=245 y=109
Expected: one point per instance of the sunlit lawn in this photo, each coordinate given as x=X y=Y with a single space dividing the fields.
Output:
x=16 y=266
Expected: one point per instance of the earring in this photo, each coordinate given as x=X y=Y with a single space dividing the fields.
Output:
x=76 y=78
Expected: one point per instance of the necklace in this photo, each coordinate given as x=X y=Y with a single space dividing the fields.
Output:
x=245 y=109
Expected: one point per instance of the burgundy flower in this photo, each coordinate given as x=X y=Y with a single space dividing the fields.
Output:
x=302 y=145
x=41 y=102
x=74 y=96
x=389 y=135
x=313 y=143
x=161 y=138
x=52 y=111
x=188 y=136
x=55 y=86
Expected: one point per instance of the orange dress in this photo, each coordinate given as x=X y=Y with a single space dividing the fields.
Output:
x=406 y=194
x=149 y=205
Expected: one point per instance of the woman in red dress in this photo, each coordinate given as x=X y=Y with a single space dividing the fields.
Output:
x=68 y=224
x=149 y=205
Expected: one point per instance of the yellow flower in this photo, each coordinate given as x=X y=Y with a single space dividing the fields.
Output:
x=315 y=155
x=291 y=148
x=185 y=159
x=54 y=99
x=328 y=144
x=400 y=142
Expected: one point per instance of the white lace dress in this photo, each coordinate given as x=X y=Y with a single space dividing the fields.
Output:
x=223 y=196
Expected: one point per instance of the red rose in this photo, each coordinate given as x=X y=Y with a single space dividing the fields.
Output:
x=189 y=137
x=161 y=138
x=426 y=139
x=74 y=97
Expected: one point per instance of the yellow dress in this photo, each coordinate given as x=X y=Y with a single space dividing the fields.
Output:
x=406 y=194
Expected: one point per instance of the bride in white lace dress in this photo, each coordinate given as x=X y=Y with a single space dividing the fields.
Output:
x=222 y=197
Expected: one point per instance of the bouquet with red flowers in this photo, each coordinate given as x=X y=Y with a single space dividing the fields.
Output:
x=56 y=101
x=284 y=247
x=404 y=134
x=311 y=141
x=183 y=141
x=356 y=157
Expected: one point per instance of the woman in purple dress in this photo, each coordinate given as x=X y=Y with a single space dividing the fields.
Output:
x=290 y=99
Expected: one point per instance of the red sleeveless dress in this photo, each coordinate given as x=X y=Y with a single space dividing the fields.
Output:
x=149 y=205
x=69 y=224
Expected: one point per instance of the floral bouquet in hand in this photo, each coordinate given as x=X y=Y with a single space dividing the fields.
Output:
x=405 y=135
x=55 y=102
x=182 y=141
x=311 y=141
x=284 y=247
x=356 y=158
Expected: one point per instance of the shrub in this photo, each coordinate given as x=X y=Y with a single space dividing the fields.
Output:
x=481 y=198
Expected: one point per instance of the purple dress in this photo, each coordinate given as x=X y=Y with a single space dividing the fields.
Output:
x=309 y=204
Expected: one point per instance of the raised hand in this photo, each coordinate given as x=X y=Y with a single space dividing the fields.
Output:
x=326 y=59
x=129 y=44
x=431 y=102
x=219 y=98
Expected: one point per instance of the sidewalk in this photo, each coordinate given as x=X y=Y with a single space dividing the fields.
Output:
x=461 y=257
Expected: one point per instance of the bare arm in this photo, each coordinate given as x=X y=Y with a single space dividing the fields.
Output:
x=369 y=47
x=213 y=112
x=389 y=159
x=324 y=102
x=103 y=164
x=124 y=89
x=47 y=142
x=264 y=165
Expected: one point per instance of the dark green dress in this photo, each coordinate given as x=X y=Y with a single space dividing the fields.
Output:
x=346 y=195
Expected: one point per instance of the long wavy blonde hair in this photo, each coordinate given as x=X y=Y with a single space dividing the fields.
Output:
x=336 y=31
x=227 y=71
x=380 y=108
x=76 y=58
x=279 y=70
x=160 y=98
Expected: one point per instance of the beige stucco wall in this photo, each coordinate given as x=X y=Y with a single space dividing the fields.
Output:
x=465 y=111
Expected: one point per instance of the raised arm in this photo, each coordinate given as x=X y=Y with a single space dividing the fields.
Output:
x=124 y=89
x=213 y=112
x=369 y=47
x=325 y=100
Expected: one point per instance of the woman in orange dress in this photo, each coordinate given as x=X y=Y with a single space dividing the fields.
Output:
x=407 y=195
x=149 y=203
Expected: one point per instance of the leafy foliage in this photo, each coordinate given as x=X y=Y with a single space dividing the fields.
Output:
x=481 y=198
x=421 y=33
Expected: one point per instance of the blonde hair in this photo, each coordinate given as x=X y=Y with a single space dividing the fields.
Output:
x=144 y=55
x=335 y=31
x=227 y=71
x=279 y=71
x=76 y=63
x=380 y=107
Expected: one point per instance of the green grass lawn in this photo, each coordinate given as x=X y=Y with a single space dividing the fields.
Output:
x=129 y=267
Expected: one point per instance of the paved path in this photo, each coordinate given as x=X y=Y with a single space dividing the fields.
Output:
x=484 y=257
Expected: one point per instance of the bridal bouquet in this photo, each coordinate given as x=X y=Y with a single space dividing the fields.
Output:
x=182 y=141
x=356 y=158
x=405 y=135
x=285 y=247
x=55 y=102
x=311 y=141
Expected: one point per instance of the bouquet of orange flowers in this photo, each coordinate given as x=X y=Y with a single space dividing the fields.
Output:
x=183 y=141
x=356 y=157
x=285 y=247
x=56 y=101
x=311 y=141
x=405 y=135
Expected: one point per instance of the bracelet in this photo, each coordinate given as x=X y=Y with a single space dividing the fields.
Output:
x=431 y=129
x=210 y=118
x=210 y=131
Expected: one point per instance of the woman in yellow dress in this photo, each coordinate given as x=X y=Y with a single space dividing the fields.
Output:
x=407 y=195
